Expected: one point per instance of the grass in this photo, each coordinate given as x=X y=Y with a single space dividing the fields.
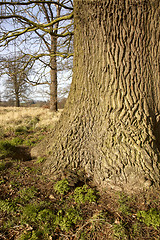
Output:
x=12 y=118
x=34 y=207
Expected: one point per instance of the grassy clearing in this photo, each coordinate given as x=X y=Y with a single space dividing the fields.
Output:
x=34 y=207
x=14 y=118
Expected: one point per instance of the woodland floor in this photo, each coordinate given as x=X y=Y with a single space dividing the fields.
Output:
x=34 y=207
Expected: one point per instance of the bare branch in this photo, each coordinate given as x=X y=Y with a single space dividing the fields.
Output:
x=39 y=26
x=35 y=2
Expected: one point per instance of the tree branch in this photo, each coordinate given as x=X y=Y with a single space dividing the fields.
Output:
x=39 y=26
x=33 y=2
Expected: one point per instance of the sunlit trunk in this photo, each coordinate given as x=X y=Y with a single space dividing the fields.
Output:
x=109 y=126
x=53 y=75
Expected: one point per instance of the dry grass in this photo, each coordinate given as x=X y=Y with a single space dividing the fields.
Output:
x=11 y=117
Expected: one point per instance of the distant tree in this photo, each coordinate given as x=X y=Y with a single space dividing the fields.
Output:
x=15 y=75
x=38 y=25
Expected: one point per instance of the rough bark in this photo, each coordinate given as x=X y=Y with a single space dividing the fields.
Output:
x=109 y=126
x=53 y=66
x=16 y=89
x=53 y=75
x=17 y=101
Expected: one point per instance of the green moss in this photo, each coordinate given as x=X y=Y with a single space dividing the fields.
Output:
x=2 y=166
x=27 y=194
x=7 y=206
x=40 y=160
x=84 y=194
x=119 y=231
x=21 y=130
x=62 y=186
x=29 y=236
x=6 y=149
x=16 y=141
x=124 y=202
x=66 y=219
x=30 y=213
x=150 y=217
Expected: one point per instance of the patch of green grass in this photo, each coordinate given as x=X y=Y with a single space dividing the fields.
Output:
x=16 y=141
x=66 y=219
x=27 y=194
x=2 y=166
x=28 y=235
x=33 y=122
x=46 y=220
x=14 y=184
x=62 y=186
x=7 y=206
x=84 y=194
x=119 y=231
x=150 y=217
x=30 y=213
x=136 y=229
x=30 y=142
x=5 y=165
x=2 y=181
x=124 y=201
x=40 y=159
x=21 y=130
x=1 y=132
x=6 y=149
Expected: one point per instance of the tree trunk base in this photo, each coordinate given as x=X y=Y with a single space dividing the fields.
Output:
x=124 y=160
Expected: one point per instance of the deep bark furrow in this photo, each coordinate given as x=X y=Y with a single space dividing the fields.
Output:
x=108 y=126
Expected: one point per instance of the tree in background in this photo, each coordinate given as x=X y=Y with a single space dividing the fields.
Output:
x=38 y=26
x=108 y=126
x=16 y=78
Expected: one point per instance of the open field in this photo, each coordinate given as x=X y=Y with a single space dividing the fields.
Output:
x=12 y=117
x=37 y=208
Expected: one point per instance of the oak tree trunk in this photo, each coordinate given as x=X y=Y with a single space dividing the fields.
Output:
x=16 y=89
x=109 y=125
x=53 y=75
x=53 y=65
x=17 y=101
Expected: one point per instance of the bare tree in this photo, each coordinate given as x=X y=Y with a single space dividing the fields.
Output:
x=39 y=26
x=16 y=78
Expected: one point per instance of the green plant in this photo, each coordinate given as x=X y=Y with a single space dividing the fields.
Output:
x=7 y=206
x=62 y=186
x=124 y=201
x=46 y=221
x=29 y=213
x=119 y=231
x=66 y=219
x=30 y=142
x=27 y=194
x=150 y=217
x=16 y=141
x=136 y=229
x=1 y=132
x=5 y=165
x=6 y=149
x=14 y=184
x=84 y=194
x=2 y=181
x=46 y=216
x=40 y=160
x=21 y=130
x=83 y=236
x=28 y=236
x=2 y=166
x=31 y=123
